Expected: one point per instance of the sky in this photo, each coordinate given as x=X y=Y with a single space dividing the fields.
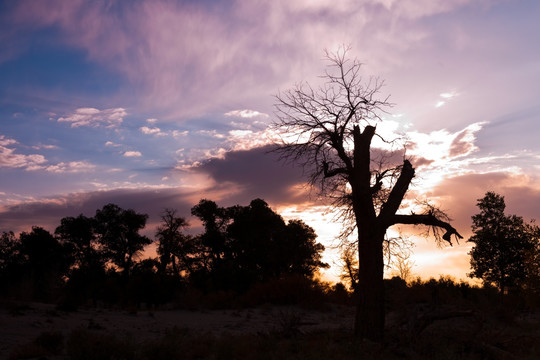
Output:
x=158 y=104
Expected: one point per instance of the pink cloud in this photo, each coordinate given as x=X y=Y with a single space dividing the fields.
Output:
x=459 y=195
x=10 y=159
x=70 y=167
x=94 y=117
x=132 y=154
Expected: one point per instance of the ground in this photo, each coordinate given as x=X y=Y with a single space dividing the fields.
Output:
x=22 y=322
x=413 y=331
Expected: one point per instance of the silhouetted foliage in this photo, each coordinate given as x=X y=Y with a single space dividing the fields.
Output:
x=501 y=244
x=118 y=233
x=243 y=250
x=173 y=246
x=531 y=284
x=213 y=240
x=45 y=262
x=8 y=250
x=78 y=233
x=10 y=262
x=87 y=275
x=243 y=245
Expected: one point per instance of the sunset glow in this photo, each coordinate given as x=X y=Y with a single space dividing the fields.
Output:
x=158 y=104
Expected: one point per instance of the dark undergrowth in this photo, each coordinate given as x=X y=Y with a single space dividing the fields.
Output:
x=434 y=319
x=470 y=338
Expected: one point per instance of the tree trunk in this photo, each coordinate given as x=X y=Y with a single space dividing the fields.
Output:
x=369 y=321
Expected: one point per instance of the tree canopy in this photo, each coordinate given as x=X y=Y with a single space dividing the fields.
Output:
x=502 y=244
x=118 y=232
x=242 y=245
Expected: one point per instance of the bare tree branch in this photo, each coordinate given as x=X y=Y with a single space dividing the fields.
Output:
x=425 y=219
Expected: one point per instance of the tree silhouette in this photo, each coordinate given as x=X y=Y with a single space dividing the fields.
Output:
x=78 y=233
x=118 y=233
x=11 y=261
x=300 y=253
x=45 y=261
x=244 y=245
x=8 y=250
x=87 y=275
x=329 y=131
x=264 y=247
x=174 y=247
x=501 y=244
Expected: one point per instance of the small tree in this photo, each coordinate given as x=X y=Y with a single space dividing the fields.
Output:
x=174 y=247
x=501 y=244
x=329 y=131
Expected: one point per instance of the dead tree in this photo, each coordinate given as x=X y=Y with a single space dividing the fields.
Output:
x=329 y=131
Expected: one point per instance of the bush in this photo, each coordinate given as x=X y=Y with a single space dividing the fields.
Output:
x=291 y=290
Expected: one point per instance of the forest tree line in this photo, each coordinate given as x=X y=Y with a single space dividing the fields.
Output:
x=98 y=258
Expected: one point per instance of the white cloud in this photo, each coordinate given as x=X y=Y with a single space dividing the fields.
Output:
x=245 y=113
x=36 y=162
x=110 y=143
x=151 y=121
x=132 y=154
x=446 y=96
x=93 y=117
x=70 y=167
x=152 y=131
x=441 y=144
x=177 y=133
x=211 y=133
x=45 y=146
x=10 y=159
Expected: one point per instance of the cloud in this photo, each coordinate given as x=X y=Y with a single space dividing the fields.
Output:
x=110 y=143
x=246 y=114
x=442 y=145
x=45 y=146
x=446 y=96
x=70 y=167
x=463 y=142
x=132 y=154
x=36 y=162
x=257 y=173
x=152 y=131
x=7 y=141
x=10 y=159
x=412 y=9
x=48 y=211
x=459 y=194
x=179 y=74
x=92 y=117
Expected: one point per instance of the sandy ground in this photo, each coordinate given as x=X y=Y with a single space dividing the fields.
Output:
x=21 y=323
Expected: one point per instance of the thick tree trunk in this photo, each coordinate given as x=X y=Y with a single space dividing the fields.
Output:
x=369 y=321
